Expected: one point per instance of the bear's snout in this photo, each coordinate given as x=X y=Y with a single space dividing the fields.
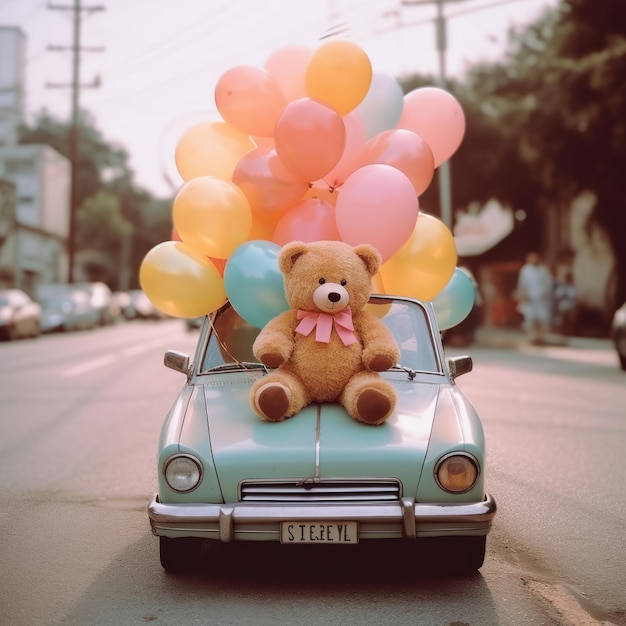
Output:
x=331 y=297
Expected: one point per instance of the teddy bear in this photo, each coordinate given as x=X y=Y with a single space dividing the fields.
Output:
x=327 y=347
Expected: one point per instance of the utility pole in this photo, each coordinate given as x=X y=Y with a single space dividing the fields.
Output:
x=75 y=86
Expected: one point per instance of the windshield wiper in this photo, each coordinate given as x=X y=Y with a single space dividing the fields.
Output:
x=242 y=365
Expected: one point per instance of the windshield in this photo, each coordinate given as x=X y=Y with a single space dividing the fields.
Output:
x=231 y=337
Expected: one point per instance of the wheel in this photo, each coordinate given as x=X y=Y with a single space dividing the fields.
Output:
x=456 y=555
x=179 y=556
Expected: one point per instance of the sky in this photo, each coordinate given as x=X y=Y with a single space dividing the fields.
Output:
x=161 y=59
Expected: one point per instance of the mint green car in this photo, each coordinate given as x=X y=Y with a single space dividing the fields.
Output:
x=320 y=477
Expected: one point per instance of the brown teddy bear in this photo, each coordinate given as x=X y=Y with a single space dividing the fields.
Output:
x=327 y=347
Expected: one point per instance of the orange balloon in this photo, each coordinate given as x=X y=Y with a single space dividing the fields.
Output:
x=425 y=264
x=339 y=73
x=263 y=225
x=212 y=216
x=220 y=264
x=249 y=98
x=180 y=282
x=211 y=149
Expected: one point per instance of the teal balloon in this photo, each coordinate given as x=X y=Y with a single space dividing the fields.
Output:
x=381 y=109
x=254 y=284
x=455 y=301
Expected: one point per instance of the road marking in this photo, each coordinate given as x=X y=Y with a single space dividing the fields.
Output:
x=88 y=366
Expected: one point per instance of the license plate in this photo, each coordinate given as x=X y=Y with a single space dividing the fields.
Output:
x=319 y=532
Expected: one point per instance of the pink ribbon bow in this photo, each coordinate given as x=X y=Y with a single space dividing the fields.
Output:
x=324 y=323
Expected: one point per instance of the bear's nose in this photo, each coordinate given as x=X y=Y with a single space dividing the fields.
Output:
x=333 y=296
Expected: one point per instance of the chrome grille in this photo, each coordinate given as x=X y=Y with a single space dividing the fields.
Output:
x=310 y=490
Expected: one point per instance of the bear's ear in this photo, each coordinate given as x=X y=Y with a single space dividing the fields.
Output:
x=290 y=253
x=370 y=257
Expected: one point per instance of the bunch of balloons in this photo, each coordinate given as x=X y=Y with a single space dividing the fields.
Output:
x=313 y=145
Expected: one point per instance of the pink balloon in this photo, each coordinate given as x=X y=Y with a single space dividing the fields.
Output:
x=250 y=99
x=351 y=157
x=288 y=67
x=404 y=150
x=310 y=220
x=310 y=138
x=437 y=117
x=377 y=205
x=266 y=182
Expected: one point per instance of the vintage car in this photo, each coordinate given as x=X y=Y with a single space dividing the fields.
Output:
x=320 y=477
x=618 y=334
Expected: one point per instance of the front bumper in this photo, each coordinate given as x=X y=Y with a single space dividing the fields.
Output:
x=261 y=522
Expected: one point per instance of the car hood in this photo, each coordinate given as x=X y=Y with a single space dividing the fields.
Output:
x=321 y=441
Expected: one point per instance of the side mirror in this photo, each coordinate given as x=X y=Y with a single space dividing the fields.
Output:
x=177 y=361
x=459 y=365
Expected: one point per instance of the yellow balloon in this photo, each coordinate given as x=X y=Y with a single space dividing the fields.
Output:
x=425 y=264
x=212 y=216
x=180 y=282
x=211 y=149
x=340 y=74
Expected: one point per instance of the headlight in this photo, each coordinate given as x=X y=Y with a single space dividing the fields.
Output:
x=456 y=473
x=183 y=472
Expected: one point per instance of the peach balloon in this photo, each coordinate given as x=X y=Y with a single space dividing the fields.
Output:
x=404 y=150
x=220 y=264
x=339 y=73
x=212 y=216
x=437 y=117
x=181 y=282
x=268 y=184
x=249 y=98
x=263 y=225
x=310 y=138
x=351 y=157
x=425 y=264
x=310 y=220
x=211 y=149
x=287 y=65
x=377 y=205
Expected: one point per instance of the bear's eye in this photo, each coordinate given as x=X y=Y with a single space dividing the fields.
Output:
x=344 y=282
x=322 y=281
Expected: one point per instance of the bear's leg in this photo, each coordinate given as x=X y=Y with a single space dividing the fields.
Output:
x=369 y=398
x=278 y=396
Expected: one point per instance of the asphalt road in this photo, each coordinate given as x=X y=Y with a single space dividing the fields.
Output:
x=79 y=420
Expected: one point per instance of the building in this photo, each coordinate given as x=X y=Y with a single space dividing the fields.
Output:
x=35 y=185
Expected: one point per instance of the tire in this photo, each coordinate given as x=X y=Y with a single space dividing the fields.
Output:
x=462 y=556
x=180 y=556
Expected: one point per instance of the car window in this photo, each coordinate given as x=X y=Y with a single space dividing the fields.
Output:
x=231 y=337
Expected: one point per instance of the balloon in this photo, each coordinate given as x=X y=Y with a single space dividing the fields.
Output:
x=249 y=98
x=220 y=264
x=263 y=225
x=404 y=150
x=212 y=216
x=287 y=66
x=339 y=73
x=351 y=158
x=310 y=220
x=267 y=183
x=426 y=262
x=381 y=109
x=310 y=138
x=181 y=282
x=437 y=117
x=455 y=302
x=254 y=283
x=377 y=205
x=211 y=149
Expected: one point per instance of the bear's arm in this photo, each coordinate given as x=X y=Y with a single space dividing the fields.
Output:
x=380 y=350
x=274 y=344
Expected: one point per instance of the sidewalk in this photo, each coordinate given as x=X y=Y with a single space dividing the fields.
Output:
x=497 y=337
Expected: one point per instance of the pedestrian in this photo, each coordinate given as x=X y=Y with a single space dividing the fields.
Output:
x=565 y=305
x=534 y=297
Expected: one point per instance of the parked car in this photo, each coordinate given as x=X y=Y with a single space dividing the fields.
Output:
x=139 y=306
x=20 y=315
x=321 y=477
x=618 y=334
x=67 y=310
x=102 y=300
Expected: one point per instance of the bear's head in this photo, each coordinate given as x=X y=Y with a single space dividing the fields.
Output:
x=327 y=276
